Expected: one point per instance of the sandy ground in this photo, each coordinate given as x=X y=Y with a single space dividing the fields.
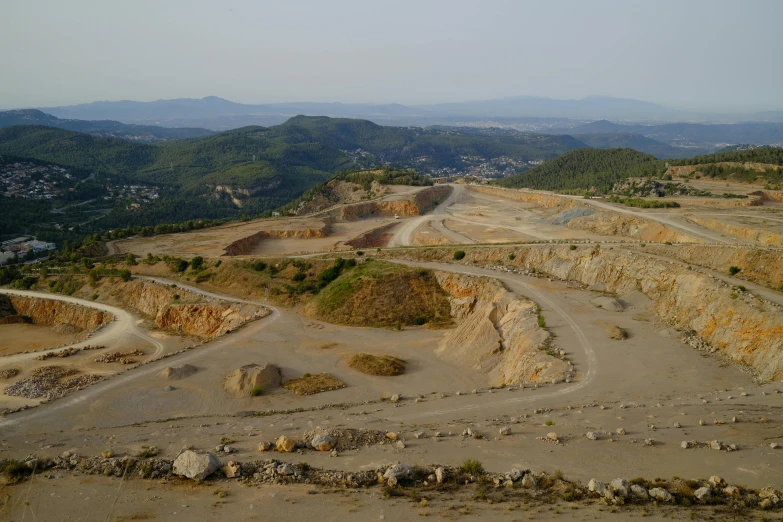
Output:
x=16 y=338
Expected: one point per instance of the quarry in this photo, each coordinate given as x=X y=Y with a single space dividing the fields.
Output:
x=454 y=350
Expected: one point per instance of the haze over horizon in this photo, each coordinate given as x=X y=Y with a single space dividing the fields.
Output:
x=408 y=53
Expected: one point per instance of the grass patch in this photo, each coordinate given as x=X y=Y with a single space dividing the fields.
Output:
x=256 y=391
x=14 y=470
x=384 y=365
x=310 y=384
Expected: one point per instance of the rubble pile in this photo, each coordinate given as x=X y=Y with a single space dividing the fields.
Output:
x=119 y=357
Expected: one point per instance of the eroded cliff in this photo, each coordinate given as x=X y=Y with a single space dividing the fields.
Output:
x=50 y=312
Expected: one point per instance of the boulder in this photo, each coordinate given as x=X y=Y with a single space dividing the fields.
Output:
x=703 y=493
x=620 y=431
x=323 y=442
x=620 y=487
x=716 y=481
x=514 y=474
x=264 y=446
x=391 y=435
x=731 y=491
x=242 y=380
x=505 y=430
x=661 y=494
x=636 y=300
x=175 y=373
x=399 y=471
x=716 y=445
x=285 y=445
x=440 y=475
x=232 y=469
x=196 y=466
x=395 y=397
x=596 y=486
x=592 y=435
x=285 y=469
x=552 y=436
x=529 y=481
x=639 y=491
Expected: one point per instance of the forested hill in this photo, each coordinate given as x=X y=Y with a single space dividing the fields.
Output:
x=255 y=169
x=586 y=169
x=619 y=140
x=766 y=155
x=106 y=128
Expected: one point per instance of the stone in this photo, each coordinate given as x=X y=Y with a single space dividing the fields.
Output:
x=391 y=435
x=649 y=442
x=400 y=444
x=419 y=435
x=596 y=487
x=677 y=425
x=395 y=397
x=505 y=430
x=685 y=444
x=716 y=482
x=592 y=435
x=731 y=491
x=323 y=442
x=774 y=445
x=264 y=446
x=716 y=445
x=107 y=454
x=285 y=470
x=263 y=376
x=769 y=494
x=701 y=422
x=285 y=445
x=232 y=469
x=552 y=436
x=514 y=474
x=508 y=484
x=196 y=466
x=334 y=453
x=660 y=494
x=639 y=491
x=399 y=471
x=703 y=493
x=620 y=487
x=620 y=431
x=529 y=481
x=440 y=475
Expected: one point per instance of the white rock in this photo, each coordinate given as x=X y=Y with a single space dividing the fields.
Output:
x=639 y=491
x=440 y=475
x=660 y=494
x=323 y=442
x=196 y=466
x=596 y=486
x=620 y=487
x=703 y=493
x=592 y=435
x=399 y=471
x=505 y=430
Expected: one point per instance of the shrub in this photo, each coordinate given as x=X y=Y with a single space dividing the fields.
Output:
x=299 y=276
x=472 y=467
x=218 y=263
x=511 y=257
x=180 y=266
x=550 y=422
x=125 y=275
x=256 y=391
x=196 y=263
x=741 y=288
x=304 y=466
x=130 y=259
x=359 y=253
x=14 y=470
x=418 y=321
x=733 y=296
x=734 y=270
x=259 y=266
x=459 y=254
x=541 y=321
x=572 y=247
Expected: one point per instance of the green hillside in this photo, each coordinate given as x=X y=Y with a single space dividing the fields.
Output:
x=621 y=140
x=586 y=169
x=768 y=155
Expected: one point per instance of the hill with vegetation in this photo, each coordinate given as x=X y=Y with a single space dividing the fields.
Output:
x=621 y=140
x=106 y=128
x=583 y=170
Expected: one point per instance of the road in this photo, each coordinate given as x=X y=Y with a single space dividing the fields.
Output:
x=404 y=234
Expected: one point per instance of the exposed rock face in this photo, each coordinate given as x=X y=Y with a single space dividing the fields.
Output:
x=749 y=331
x=422 y=201
x=50 y=312
x=762 y=237
x=196 y=466
x=498 y=333
x=190 y=313
x=242 y=380
x=245 y=245
x=377 y=237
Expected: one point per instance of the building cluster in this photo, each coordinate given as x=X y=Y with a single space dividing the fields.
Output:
x=21 y=248
x=31 y=181
x=137 y=193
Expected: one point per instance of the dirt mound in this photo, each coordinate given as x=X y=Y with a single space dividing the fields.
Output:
x=384 y=365
x=614 y=332
x=263 y=376
x=608 y=303
x=311 y=384
x=636 y=300
x=175 y=373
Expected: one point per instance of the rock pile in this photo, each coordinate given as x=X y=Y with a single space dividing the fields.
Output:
x=7 y=373
x=61 y=354
x=120 y=357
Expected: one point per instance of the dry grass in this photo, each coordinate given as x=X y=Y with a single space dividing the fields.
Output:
x=384 y=365
x=310 y=384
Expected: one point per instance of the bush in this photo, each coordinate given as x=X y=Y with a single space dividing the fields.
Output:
x=459 y=254
x=418 y=321
x=734 y=270
x=511 y=257
x=359 y=253
x=572 y=247
x=259 y=266
x=125 y=275
x=179 y=266
x=130 y=259
x=299 y=276
x=218 y=263
x=541 y=321
x=196 y=263
x=472 y=467
x=14 y=470
x=256 y=391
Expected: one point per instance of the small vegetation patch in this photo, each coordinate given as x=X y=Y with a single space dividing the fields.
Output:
x=384 y=365
x=459 y=254
x=309 y=384
x=472 y=467
x=734 y=270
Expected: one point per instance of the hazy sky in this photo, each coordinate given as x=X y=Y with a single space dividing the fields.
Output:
x=710 y=55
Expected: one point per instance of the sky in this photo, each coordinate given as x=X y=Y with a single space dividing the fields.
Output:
x=713 y=55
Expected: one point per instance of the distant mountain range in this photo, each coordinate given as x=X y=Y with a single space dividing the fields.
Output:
x=108 y=128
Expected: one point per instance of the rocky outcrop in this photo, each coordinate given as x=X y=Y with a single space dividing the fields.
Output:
x=744 y=329
x=375 y=238
x=617 y=224
x=243 y=380
x=245 y=245
x=421 y=202
x=178 y=310
x=51 y=312
x=750 y=234
x=498 y=333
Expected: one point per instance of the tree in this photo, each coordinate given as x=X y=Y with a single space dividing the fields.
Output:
x=197 y=263
x=125 y=275
x=130 y=259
